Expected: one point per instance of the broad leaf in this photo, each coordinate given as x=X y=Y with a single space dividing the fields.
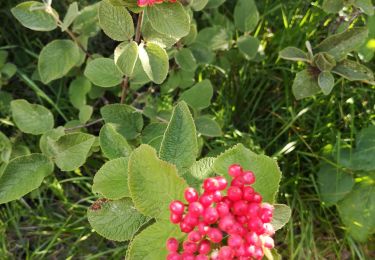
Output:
x=365 y=5
x=170 y=19
x=357 y=211
x=185 y=59
x=281 y=216
x=339 y=45
x=5 y=148
x=352 y=70
x=48 y=139
x=155 y=62
x=200 y=171
x=37 y=20
x=332 y=6
x=71 y=150
x=198 y=5
x=248 y=46
x=115 y=21
x=305 y=85
x=153 y=183
x=153 y=134
x=78 y=90
x=126 y=55
x=179 y=145
x=364 y=154
x=71 y=14
x=326 y=82
x=150 y=243
x=85 y=113
x=116 y=220
x=199 y=96
x=56 y=59
x=111 y=181
x=266 y=170
x=208 y=127
x=23 y=175
x=31 y=118
x=103 y=73
x=294 y=54
x=86 y=22
x=334 y=184
x=113 y=144
x=215 y=38
x=125 y=119
x=149 y=34
x=246 y=15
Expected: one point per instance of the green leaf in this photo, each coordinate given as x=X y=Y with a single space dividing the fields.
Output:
x=294 y=54
x=266 y=170
x=364 y=154
x=365 y=5
x=214 y=3
x=139 y=77
x=185 y=59
x=305 y=85
x=5 y=148
x=180 y=145
x=191 y=37
x=208 y=127
x=31 y=118
x=149 y=34
x=85 y=113
x=113 y=144
x=126 y=55
x=202 y=53
x=339 y=45
x=56 y=59
x=116 y=220
x=103 y=73
x=332 y=6
x=78 y=89
x=71 y=14
x=155 y=62
x=87 y=21
x=115 y=21
x=352 y=71
x=200 y=95
x=153 y=183
x=248 y=46
x=8 y=70
x=326 y=82
x=357 y=211
x=200 y=171
x=125 y=119
x=246 y=15
x=111 y=181
x=281 y=216
x=214 y=38
x=70 y=151
x=170 y=19
x=153 y=134
x=37 y=20
x=48 y=139
x=23 y=175
x=198 y=5
x=334 y=184
x=324 y=61
x=150 y=243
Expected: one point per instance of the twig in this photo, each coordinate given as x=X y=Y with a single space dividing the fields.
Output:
x=138 y=30
x=125 y=87
x=84 y=126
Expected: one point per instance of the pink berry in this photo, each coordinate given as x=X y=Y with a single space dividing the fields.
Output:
x=237 y=229
x=268 y=242
x=222 y=182
x=196 y=209
x=203 y=228
x=210 y=185
x=173 y=256
x=191 y=195
x=172 y=244
x=253 y=209
x=206 y=200
x=256 y=225
x=253 y=239
x=210 y=215
x=190 y=247
x=241 y=219
x=175 y=218
x=226 y=253
x=204 y=247
x=248 y=177
x=234 y=193
x=194 y=236
x=238 y=182
x=216 y=196
x=187 y=256
x=257 y=197
x=191 y=220
x=201 y=257
x=234 y=241
x=215 y=235
x=177 y=207
x=235 y=170
x=258 y=253
x=248 y=193
x=222 y=208
x=226 y=223
x=185 y=227
x=240 y=251
x=240 y=208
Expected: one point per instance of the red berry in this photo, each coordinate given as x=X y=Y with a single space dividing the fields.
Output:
x=268 y=242
x=187 y=256
x=256 y=225
x=248 y=177
x=204 y=247
x=235 y=170
x=253 y=239
x=196 y=209
x=190 y=247
x=222 y=182
x=206 y=200
x=210 y=215
x=175 y=218
x=226 y=253
x=257 y=197
x=194 y=236
x=248 y=193
x=203 y=228
x=234 y=241
x=191 y=195
x=201 y=257
x=234 y=193
x=172 y=244
x=240 y=251
x=253 y=209
x=191 y=220
x=173 y=256
x=241 y=219
x=222 y=208
x=240 y=208
x=210 y=185
x=226 y=223
x=177 y=207
x=215 y=235
x=238 y=182
x=185 y=227
x=216 y=196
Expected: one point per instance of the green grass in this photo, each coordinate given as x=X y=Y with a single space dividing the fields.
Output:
x=255 y=106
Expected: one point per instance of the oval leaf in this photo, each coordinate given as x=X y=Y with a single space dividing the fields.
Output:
x=304 y=85
x=126 y=55
x=199 y=96
x=246 y=15
x=103 y=73
x=113 y=144
x=281 y=216
x=185 y=59
x=248 y=46
x=208 y=127
x=326 y=82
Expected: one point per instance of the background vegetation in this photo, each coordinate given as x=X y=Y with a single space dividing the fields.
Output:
x=254 y=105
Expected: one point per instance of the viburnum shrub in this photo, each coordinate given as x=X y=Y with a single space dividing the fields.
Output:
x=222 y=225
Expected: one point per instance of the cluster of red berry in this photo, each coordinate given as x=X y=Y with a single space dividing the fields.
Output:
x=235 y=226
x=142 y=3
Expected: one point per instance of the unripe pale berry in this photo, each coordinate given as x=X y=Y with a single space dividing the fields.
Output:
x=191 y=195
x=177 y=207
x=235 y=170
x=268 y=242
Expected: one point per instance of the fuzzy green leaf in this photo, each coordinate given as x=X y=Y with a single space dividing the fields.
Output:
x=103 y=73
x=113 y=144
x=281 y=216
x=246 y=15
x=71 y=14
x=248 y=46
x=153 y=134
x=294 y=54
x=353 y=71
x=364 y=154
x=332 y=6
x=326 y=82
x=185 y=59
x=199 y=96
x=305 y=85
x=126 y=55
x=208 y=127
x=78 y=90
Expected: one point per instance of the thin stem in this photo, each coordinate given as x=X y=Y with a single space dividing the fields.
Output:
x=138 y=30
x=85 y=125
x=74 y=38
x=125 y=87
